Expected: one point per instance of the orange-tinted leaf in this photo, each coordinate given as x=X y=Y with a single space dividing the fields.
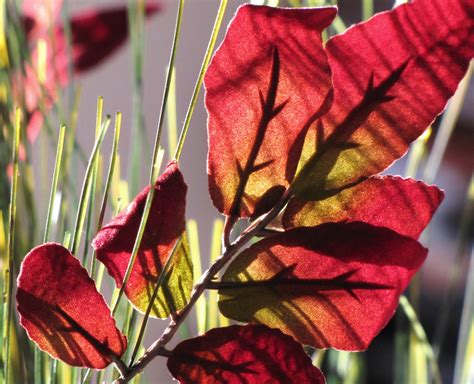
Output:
x=392 y=76
x=266 y=84
x=252 y=354
x=166 y=223
x=402 y=205
x=62 y=311
x=335 y=285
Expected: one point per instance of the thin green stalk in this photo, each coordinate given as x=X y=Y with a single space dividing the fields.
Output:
x=171 y=115
x=136 y=22
x=213 y=315
x=110 y=173
x=456 y=270
x=193 y=236
x=421 y=335
x=154 y=164
x=367 y=9
x=446 y=128
x=464 y=369
x=54 y=184
x=38 y=356
x=159 y=283
x=90 y=209
x=81 y=212
x=9 y=273
x=197 y=87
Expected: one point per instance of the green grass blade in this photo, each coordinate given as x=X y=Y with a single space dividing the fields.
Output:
x=200 y=306
x=213 y=317
x=8 y=271
x=464 y=368
x=136 y=23
x=367 y=9
x=38 y=355
x=54 y=184
x=81 y=212
x=197 y=87
x=156 y=161
x=456 y=270
x=420 y=334
x=108 y=182
x=171 y=112
x=446 y=128
x=159 y=283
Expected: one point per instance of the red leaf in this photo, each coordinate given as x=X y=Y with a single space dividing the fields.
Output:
x=335 y=285
x=95 y=35
x=251 y=354
x=166 y=223
x=62 y=311
x=268 y=81
x=402 y=205
x=392 y=76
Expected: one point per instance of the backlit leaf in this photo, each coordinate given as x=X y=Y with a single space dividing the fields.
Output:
x=392 y=76
x=266 y=84
x=166 y=223
x=335 y=285
x=62 y=311
x=402 y=205
x=251 y=354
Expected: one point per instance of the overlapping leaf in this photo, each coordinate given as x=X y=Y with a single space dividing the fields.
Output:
x=391 y=76
x=335 y=285
x=251 y=354
x=402 y=205
x=63 y=312
x=266 y=85
x=166 y=224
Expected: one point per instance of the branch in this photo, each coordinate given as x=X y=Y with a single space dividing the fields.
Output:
x=157 y=348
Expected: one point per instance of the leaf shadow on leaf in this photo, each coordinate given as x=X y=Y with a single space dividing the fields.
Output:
x=329 y=150
x=58 y=328
x=218 y=365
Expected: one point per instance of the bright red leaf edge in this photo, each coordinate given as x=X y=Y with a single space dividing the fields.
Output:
x=252 y=354
x=62 y=311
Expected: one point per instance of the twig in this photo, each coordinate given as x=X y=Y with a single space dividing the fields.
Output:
x=157 y=347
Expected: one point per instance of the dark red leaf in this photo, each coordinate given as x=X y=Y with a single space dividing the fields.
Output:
x=166 y=223
x=95 y=35
x=268 y=81
x=392 y=76
x=252 y=354
x=62 y=311
x=335 y=285
x=403 y=205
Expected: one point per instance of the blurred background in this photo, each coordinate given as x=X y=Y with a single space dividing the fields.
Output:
x=449 y=237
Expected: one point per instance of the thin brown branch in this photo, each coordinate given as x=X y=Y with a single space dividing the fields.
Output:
x=157 y=348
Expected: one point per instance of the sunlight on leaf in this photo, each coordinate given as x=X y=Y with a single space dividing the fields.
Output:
x=402 y=205
x=386 y=97
x=242 y=354
x=166 y=223
x=63 y=312
x=261 y=97
x=335 y=285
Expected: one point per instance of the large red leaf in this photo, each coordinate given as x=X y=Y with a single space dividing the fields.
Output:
x=62 y=311
x=402 y=205
x=392 y=76
x=166 y=223
x=266 y=84
x=335 y=285
x=252 y=354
